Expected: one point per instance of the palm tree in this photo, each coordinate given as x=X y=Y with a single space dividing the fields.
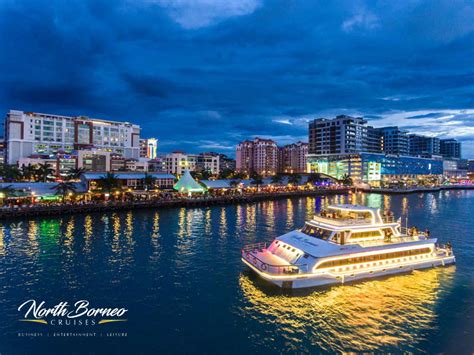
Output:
x=277 y=179
x=44 y=171
x=257 y=180
x=64 y=188
x=28 y=171
x=75 y=173
x=294 y=179
x=148 y=181
x=10 y=172
x=109 y=182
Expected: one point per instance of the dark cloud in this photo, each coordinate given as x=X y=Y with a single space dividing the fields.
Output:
x=212 y=73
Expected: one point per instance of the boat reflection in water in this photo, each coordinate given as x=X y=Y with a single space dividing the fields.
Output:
x=384 y=313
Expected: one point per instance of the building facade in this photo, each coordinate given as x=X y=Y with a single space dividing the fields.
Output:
x=178 y=162
x=292 y=158
x=148 y=148
x=375 y=168
x=423 y=145
x=258 y=156
x=209 y=162
x=394 y=140
x=450 y=148
x=31 y=133
x=341 y=135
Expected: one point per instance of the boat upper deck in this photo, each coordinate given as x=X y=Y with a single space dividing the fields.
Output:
x=351 y=215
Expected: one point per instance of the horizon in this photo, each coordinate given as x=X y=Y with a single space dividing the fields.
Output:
x=205 y=76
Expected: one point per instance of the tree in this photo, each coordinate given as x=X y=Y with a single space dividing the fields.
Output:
x=277 y=179
x=226 y=174
x=239 y=175
x=294 y=179
x=257 y=180
x=43 y=172
x=346 y=180
x=28 y=172
x=109 y=182
x=201 y=175
x=10 y=172
x=64 y=188
x=148 y=181
x=75 y=173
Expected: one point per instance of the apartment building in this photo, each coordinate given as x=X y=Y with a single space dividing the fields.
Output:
x=258 y=156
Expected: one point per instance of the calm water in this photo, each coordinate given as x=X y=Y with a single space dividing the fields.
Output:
x=179 y=273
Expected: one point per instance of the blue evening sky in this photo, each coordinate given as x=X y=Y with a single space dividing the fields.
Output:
x=202 y=75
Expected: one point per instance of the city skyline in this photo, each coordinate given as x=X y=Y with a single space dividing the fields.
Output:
x=205 y=79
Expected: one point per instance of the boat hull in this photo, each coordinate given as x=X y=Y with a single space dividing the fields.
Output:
x=315 y=280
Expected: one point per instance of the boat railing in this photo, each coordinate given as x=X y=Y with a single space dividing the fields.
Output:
x=249 y=253
x=388 y=219
x=341 y=220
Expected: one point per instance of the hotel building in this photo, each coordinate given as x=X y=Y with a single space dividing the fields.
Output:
x=258 y=156
x=30 y=134
x=292 y=158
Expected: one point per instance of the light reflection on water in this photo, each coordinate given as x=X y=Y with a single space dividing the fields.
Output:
x=391 y=312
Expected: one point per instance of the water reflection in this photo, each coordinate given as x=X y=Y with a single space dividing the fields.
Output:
x=390 y=312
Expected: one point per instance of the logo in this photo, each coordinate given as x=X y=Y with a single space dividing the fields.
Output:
x=81 y=313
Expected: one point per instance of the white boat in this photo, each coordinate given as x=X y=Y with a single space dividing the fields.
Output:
x=345 y=243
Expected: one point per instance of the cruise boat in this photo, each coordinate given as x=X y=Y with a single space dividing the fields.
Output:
x=344 y=243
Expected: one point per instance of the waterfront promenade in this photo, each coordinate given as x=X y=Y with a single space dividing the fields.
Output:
x=196 y=201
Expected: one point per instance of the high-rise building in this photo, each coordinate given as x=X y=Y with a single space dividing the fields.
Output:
x=292 y=158
x=343 y=134
x=31 y=133
x=148 y=148
x=422 y=145
x=373 y=142
x=258 y=156
x=244 y=157
x=450 y=148
x=394 y=140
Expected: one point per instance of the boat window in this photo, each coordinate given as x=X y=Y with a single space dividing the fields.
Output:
x=316 y=232
x=368 y=258
x=369 y=234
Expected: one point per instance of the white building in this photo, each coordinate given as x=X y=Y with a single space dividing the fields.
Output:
x=209 y=162
x=177 y=162
x=31 y=133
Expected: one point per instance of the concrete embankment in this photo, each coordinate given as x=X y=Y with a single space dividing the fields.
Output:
x=55 y=210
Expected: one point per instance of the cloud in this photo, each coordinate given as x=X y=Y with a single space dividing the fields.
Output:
x=194 y=14
x=283 y=121
x=211 y=73
x=362 y=20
